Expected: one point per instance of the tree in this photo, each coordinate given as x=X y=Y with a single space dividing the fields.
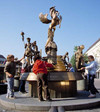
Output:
x=85 y=58
x=72 y=61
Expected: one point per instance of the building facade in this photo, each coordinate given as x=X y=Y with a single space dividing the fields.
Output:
x=2 y=60
x=2 y=64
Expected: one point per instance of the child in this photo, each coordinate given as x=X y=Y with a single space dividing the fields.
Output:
x=10 y=70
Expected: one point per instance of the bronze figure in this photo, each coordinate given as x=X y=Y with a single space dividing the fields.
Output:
x=28 y=51
x=79 y=57
x=35 y=47
x=51 y=47
x=64 y=59
x=31 y=49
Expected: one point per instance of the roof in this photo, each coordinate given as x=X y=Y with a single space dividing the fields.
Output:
x=93 y=44
x=1 y=56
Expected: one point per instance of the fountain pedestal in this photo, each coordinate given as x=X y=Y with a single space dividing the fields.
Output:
x=61 y=84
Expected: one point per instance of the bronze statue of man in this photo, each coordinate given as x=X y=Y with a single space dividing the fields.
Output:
x=64 y=58
x=31 y=49
x=28 y=51
x=35 y=48
x=79 y=57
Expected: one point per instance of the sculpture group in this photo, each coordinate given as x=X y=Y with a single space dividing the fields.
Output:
x=31 y=49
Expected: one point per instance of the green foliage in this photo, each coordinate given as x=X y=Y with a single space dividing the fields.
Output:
x=85 y=58
x=72 y=61
x=75 y=49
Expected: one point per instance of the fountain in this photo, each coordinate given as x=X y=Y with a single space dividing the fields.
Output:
x=61 y=83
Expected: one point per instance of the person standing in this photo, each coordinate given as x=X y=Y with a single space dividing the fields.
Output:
x=10 y=70
x=23 y=70
x=91 y=67
x=40 y=69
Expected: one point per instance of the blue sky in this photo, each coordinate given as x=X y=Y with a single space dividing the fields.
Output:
x=80 y=24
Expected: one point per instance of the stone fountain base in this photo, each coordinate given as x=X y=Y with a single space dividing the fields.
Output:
x=61 y=84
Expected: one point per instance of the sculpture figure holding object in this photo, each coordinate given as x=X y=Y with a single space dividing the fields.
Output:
x=29 y=52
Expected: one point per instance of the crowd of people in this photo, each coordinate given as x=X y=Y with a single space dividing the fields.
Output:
x=40 y=69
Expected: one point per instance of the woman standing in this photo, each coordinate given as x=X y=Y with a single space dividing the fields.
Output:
x=91 y=67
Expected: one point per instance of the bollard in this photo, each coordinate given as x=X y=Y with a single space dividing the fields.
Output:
x=61 y=109
x=53 y=109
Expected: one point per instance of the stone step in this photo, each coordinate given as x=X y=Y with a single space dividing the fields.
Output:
x=25 y=103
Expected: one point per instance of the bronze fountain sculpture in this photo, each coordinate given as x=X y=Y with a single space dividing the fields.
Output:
x=31 y=49
x=79 y=58
x=51 y=47
x=58 y=77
